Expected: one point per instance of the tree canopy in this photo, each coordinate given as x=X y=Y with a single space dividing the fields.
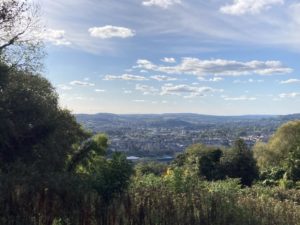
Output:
x=282 y=150
x=20 y=44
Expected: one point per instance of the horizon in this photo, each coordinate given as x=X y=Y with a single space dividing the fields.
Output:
x=155 y=56
x=183 y=113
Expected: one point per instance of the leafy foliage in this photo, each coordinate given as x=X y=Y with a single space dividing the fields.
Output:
x=215 y=164
x=238 y=162
x=47 y=160
x=282 y=150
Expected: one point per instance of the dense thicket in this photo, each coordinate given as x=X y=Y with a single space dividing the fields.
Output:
x=212 y=163
x=282 y=152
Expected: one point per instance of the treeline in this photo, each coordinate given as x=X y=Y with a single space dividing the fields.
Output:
x=53 y=172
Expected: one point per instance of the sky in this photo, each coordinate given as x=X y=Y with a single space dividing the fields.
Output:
x=219 y=57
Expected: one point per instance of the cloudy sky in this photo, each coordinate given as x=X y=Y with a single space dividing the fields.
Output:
x=222 y=57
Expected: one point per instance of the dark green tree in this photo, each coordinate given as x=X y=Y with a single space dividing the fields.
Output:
x=238 y=162
x=34 y=130
x=46 y=157
x=202 y=160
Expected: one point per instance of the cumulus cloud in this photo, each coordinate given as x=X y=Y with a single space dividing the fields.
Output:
x=147 y=90
x=64 y=87
x=139 y=100
x=100 y=90
x=110 y=32
x=217 y=67
x=81 y=83
x=127 y=92
x=145 y=64
x=239 y=98
x=240 y=7
x=163 y=78
x=186 y=90
x=216 y=79
x=289 y=95
x=247 y=81
x=55 y=37
x=290 y=81
x=168 y=60
x=125 y=77
x=161 y=3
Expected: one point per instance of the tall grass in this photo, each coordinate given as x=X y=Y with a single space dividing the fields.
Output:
x=153 y=200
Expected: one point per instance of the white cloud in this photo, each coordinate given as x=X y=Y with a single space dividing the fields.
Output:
x=127 y=92
x=168 y=60
x=110 y=32
x=147 y=90
x=55 y=37
x=247 y=81
x=186 y=90
x=139 y=100
x=217 y=67
x=81 y=83
x=163 y=78
x=290 y=81
x=64 y=87
x=289 y=95
x=125 y=77
x=216 y=79
x=161 y=3
x=100 y=90
x=240 y=98
x=240 y=7
x=145 y=64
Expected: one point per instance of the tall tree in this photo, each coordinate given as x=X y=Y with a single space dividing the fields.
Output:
x=283 y=150
x=34 y=130
x=238 y=162
x=19 y=28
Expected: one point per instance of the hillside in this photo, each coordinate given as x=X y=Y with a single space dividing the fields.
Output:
x=166 y=134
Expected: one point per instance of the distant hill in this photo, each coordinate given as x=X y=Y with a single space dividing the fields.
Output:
x=175 y=119
x=165 y=134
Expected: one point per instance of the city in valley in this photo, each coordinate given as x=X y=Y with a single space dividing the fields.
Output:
x=161 y=136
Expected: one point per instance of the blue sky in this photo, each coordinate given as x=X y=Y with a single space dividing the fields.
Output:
x=221 y=57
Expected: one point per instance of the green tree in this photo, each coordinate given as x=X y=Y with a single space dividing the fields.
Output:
x=46 y=157
x=238 y=162
x=282 y=150
x=145 y=168
x=202 y=160
x=34 y=130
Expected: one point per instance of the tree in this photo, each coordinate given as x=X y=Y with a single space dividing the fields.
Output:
x=282 y=150
x=34 y=130
x=238 y=162
x=145 y=168
x=47 y=160
x=202 y=160
x=20 y=45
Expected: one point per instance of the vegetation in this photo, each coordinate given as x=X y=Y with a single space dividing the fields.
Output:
x=20 y=28
x=212 y=163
